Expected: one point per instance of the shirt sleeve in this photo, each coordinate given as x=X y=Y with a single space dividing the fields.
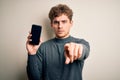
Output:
x=86 y=50
x=34 y=67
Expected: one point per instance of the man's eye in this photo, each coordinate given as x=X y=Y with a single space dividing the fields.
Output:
x=64 y=21
x=55 y=22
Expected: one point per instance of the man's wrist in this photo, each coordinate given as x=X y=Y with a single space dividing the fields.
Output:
x=31 y=53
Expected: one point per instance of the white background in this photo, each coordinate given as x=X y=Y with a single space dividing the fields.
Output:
x=97 y=21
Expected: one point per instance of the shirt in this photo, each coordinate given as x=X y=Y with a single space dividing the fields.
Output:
x=49 y=61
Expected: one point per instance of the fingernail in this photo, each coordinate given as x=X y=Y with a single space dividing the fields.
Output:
x=67 y=61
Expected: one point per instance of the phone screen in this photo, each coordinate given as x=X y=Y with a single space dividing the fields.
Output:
x=36 y=33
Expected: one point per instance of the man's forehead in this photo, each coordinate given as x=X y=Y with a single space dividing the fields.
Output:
x=61 y=18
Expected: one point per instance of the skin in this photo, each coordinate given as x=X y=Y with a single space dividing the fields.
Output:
x=61 y=26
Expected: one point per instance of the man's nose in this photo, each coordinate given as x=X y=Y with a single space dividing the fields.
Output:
x=60 y=25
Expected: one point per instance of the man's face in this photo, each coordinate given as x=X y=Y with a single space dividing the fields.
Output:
x=61 y=26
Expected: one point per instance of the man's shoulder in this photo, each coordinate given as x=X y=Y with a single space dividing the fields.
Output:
x=48 y=42
x=78 y=40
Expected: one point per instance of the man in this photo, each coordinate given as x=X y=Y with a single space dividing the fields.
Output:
x=60 y=58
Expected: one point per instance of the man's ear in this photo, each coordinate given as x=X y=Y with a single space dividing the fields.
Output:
x=71 y=22
x=51 y=23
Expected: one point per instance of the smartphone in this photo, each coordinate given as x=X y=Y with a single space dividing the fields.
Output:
x=36 y=33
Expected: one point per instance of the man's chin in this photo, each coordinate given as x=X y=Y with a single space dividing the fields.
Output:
x=62 y=36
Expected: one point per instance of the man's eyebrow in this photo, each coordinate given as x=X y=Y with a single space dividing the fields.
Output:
x=63 y=20
x=57 y=21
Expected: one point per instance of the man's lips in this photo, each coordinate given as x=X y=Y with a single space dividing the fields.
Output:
x=60 y=31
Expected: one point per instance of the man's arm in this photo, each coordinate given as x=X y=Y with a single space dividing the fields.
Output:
x=34 y=66
x=85 y=51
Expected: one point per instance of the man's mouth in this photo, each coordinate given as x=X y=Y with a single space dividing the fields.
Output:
x=60 y=31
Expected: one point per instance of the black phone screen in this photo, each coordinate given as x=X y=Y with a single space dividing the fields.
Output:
x=36 y=33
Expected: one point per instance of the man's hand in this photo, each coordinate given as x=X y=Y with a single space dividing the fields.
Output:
x=73 y=51
x=32 y=49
